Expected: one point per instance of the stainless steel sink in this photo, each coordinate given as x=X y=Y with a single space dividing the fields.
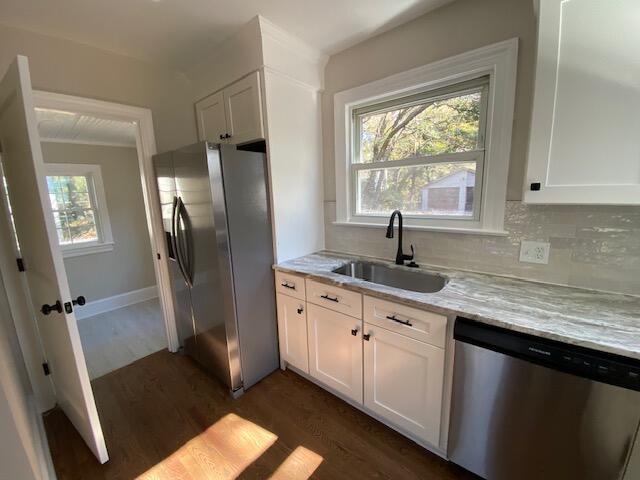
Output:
x=415 y=281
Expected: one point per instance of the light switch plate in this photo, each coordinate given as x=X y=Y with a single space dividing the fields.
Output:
x=534 y=252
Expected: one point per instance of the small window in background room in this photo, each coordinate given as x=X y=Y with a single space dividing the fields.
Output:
x=421 y=154
x=79 y=208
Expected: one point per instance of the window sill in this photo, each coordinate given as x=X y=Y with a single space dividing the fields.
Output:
x=88 y=250
x=467 y=231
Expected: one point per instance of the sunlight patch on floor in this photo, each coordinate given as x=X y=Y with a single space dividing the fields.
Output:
x=222 y=451
x=300 y=465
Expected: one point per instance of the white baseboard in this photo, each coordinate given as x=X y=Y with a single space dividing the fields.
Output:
x=115 y=302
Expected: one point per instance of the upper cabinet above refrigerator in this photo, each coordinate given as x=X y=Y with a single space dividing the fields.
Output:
x=234 y=114
x=585 y=132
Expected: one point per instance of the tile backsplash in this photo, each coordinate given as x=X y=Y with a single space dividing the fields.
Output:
x=594 y=247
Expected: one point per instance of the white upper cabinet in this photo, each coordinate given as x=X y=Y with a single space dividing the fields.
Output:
x=585 y=142
x=232 y=115
x=243 y=109
x=212 y=123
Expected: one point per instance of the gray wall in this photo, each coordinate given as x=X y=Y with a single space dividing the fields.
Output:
x=593 y=247
x=130 y=265
x=63 y=66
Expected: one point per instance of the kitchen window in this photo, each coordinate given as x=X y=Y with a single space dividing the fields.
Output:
x=433 y=142
x=421 y=154
x=78 y=205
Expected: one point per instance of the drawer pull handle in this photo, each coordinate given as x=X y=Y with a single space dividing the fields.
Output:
x=300 y=310
x=286 y=285
x=327 y=297
x=354 y=332
x=403 y=322
x=366 y=336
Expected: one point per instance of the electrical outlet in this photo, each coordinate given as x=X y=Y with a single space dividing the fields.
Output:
x=534 y=252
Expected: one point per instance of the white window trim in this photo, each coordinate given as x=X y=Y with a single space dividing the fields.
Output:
x=94 y=172
x=499 y=62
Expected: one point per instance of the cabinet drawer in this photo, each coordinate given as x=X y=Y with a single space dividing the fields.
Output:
x=290 y=284
x=334 y=298
x=424 y=326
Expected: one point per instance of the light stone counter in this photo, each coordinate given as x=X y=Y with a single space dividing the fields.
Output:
x=603 y=321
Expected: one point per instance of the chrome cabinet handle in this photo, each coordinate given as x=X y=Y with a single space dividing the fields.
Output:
x=403 y=322
x=327 y=297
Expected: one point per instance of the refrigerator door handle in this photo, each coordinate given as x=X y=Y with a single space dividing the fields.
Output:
x=182 y=263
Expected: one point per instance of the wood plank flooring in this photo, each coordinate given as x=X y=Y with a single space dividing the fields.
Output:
x=164 y=418
x=117 y=338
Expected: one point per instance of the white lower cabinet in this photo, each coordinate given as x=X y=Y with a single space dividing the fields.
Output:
x=292 y=331
x=403 y=381
x=385 y=356
x=335 y=350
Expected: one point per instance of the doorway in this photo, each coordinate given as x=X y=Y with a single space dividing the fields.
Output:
x=93 y=182
x=97 y=158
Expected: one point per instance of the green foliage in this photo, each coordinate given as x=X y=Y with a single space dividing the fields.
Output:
x=72 y=210
x=445 y=126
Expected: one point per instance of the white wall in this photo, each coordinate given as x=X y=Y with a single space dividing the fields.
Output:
x=591 y=246
x=71 y=68
x=235 y=58
x=129 y=266
x=21 y=449
x=293 y=125
x=450 y=30
x=291 y=76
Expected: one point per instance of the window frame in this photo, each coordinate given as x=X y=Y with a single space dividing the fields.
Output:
x=498 y=62
x=431 y=96
x=97 y=197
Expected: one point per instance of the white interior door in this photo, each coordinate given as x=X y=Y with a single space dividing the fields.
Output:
x=45 y=273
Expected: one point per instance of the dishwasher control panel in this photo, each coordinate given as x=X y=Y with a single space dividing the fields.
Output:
x=600 y=366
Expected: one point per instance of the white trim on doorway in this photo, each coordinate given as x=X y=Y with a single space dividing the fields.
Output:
x=107 y=304
x=146 y=148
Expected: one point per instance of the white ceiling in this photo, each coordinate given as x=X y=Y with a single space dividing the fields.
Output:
x=180 y=33
x=67 y=127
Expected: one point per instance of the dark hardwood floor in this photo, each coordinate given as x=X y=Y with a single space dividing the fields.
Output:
x=163 y=417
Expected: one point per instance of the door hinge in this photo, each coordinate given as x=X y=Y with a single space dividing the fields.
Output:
x=20 y=263
x=45 y=368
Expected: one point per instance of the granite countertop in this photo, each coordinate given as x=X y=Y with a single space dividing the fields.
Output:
x=603 y=321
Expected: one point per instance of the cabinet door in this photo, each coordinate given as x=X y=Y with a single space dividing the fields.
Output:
x=292 y=331
x=584 y=146
x=335 y=352
x=212 y=122
x=403 y=382
x=243 y=107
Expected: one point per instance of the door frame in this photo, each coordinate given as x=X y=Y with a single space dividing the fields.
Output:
x=145 y=148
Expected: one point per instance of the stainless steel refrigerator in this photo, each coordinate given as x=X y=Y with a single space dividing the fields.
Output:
x=218 y=231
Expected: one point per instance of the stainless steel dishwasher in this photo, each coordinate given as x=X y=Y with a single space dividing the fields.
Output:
x=525 y=407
